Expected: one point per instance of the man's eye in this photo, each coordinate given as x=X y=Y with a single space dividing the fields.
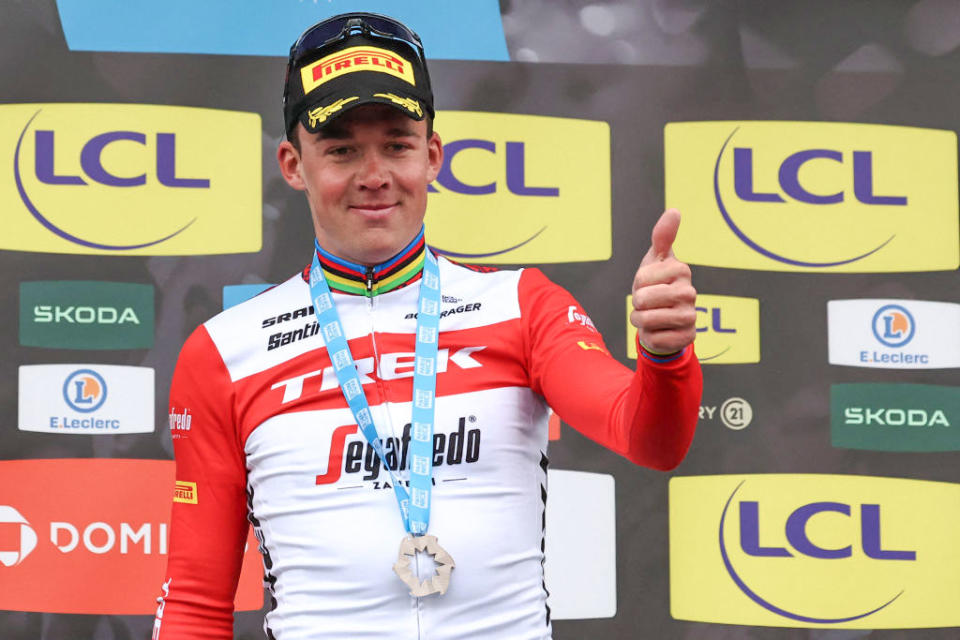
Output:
x=338 y=151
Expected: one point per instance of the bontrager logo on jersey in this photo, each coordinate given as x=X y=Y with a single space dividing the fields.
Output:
x=895 y=417
x=62 y=537
x=463 y=308
x=460 y=446
x=814 y=196
x=728 y=329
x=127 y=179
x=894 y=334
x=94 y=399
x=86 y=315
x=353 y=59
x=392 y=366
x=513 y=189
x=872 y=553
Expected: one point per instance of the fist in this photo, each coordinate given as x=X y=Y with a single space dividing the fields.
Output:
x=664 y=310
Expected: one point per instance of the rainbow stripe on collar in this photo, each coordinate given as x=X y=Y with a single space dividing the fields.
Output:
x=362 y=280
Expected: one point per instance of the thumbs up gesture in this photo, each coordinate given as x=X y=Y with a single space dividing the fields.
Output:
x=664 y=299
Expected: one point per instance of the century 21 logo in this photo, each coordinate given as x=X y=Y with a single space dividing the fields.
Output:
x=130 y=179
x=810 y=550
x=814 y=196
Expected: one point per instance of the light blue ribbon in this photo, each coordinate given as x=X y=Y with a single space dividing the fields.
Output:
x=415 y=503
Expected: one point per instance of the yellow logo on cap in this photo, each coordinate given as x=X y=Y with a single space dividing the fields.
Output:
x=355 y=59
x=409 y=104
x=320 y=114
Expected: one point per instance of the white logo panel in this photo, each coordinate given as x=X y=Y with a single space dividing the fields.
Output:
x=85 y=399
x=581 y=545
x=894 y=334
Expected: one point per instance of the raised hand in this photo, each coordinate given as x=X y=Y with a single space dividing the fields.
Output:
x=664 y=311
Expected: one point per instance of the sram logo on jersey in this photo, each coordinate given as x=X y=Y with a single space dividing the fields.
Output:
x=461 y=446
x=393 y=366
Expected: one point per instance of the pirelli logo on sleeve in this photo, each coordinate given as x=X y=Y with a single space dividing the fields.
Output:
x=185 y=492
x=355 y=59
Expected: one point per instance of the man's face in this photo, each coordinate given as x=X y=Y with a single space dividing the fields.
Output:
x=365 y=176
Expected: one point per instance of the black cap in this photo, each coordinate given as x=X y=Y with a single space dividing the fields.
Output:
x=369 y=58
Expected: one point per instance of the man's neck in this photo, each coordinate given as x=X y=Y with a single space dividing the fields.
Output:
x=369 y=280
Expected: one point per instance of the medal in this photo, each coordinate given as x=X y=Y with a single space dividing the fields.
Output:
x=409 y=546
x=414 y=503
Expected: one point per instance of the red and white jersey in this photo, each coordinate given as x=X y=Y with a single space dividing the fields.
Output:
x=272 y=440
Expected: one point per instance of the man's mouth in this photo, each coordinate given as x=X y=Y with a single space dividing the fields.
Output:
x=374 y=208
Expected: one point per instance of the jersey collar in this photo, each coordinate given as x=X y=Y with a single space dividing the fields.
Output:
x=363 y=280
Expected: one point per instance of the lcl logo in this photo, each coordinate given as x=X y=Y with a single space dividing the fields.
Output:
x=788 y=178
x=91 y=162
x=800 y=545
x=515 y=162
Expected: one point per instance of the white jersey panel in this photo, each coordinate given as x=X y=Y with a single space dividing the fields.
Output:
x=324 y=507
x=279 y=324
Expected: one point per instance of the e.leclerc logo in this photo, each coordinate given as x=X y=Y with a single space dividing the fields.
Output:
x=514 y=189
x=895 y=417
x=814 y=196
x=115 y=179
x=86 y=315
x=893 y=325
x=85 y=390
x=86 y=399
x=728 y=330
x=814 y=551
x=894 y=334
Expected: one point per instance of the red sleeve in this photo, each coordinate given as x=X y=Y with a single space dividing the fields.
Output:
x=206 y=537
x=648 y=416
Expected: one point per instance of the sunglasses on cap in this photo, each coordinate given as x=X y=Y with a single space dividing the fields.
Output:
x=342 y=27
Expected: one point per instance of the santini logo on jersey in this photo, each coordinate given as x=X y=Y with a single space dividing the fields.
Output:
x=458 y=447
x=392 y=366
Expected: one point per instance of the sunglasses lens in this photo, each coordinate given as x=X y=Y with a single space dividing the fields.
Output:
x=392 y=28
x=321 y=34
x=318 y=35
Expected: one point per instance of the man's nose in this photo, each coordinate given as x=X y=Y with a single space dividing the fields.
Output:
x=373 y=172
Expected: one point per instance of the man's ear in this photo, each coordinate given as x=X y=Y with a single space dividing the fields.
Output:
x=289 y=160
x=434 y=156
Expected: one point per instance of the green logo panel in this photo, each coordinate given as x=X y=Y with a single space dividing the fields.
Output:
x=86 y=315
x=895 y=417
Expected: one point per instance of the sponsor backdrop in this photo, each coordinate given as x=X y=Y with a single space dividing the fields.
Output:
x=817 y=177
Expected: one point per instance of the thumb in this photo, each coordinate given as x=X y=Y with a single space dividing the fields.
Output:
x=664 y=234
